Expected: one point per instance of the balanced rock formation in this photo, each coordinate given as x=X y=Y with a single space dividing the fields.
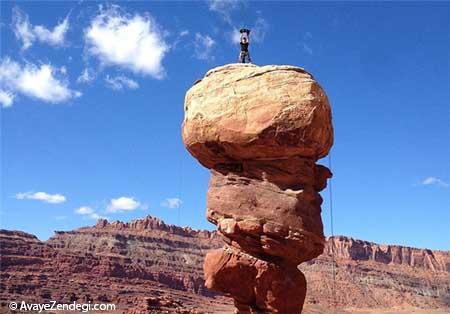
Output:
x=261 y=130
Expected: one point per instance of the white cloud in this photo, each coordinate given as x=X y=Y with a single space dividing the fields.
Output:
x=184 y=33
x=88 y=212
x=42 y=196
x=122 y=204
x=85 y=210
x=35 y=81
x=22 y=28
x=132 y=42
x=6 y=98
x=27 y=33
x=172 y=202
x=121 y=82
x=54 y=37
x=203 y=46
x=86 y=76
x=435 y=181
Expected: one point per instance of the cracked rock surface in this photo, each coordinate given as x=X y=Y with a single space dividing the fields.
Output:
x=261 y=131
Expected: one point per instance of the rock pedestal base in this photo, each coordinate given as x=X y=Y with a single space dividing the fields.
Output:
x=257 y=286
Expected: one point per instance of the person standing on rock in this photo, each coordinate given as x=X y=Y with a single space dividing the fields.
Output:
x=245 y=33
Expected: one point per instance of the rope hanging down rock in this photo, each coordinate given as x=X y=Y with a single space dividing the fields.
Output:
x=333 y=269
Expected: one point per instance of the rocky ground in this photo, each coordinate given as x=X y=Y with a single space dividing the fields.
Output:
x=146 y=266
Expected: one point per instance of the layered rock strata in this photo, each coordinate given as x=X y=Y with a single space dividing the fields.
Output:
x=261 y=130
x=101 y=263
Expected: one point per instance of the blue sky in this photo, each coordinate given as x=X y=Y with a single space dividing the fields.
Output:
x=92 y=102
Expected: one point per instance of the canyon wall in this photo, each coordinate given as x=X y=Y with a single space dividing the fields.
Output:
x=128 y=263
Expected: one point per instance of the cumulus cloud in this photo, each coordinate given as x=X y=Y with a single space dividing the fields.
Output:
x=88 y=212
x=39 y=82
x=172 y=202
x=122 y=204
x=85 y=210
x=6 y=98
x=42 y=196
x=54 y=37
x=203 y=47
x=27 y=33
x=120 y=82
x=132 y=42
x=434 y=181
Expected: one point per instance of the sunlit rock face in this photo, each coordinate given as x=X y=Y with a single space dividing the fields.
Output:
x=261 y=130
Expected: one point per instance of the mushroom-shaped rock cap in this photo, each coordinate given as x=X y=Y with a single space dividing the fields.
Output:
x=243 y=111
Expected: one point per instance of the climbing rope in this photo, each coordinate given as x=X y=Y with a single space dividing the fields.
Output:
x=333 y=270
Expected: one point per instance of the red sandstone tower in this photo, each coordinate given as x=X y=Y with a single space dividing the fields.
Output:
x=261 y=131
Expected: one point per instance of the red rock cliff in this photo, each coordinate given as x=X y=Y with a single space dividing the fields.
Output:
x=125 y=265
x=358 y=250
